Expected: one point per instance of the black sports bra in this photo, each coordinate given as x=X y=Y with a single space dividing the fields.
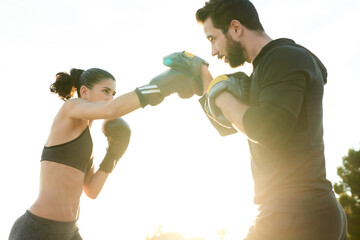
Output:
x=77 y=153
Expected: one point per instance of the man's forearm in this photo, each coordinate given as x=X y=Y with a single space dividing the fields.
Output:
x=232 y=109
x=206 y=78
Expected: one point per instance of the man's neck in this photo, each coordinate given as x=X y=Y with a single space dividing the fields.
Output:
x=256 y=42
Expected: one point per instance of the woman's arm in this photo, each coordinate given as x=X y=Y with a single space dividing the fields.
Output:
x=118 y=133
x=120 y=106
x=94 y=182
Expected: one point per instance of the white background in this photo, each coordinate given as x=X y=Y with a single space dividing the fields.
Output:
x=178 y=171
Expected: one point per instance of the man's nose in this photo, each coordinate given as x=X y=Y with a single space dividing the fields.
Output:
x=214 y=51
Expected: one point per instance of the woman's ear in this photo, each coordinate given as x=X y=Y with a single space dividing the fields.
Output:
x=84 y=92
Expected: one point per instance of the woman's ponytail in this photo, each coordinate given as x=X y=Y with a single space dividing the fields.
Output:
x=66 y=84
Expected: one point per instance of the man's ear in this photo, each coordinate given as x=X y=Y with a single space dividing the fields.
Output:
x=235 y=28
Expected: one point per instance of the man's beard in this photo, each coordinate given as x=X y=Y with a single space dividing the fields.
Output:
x=235 y=52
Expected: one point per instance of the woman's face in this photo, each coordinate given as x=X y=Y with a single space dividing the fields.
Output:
x=102 y=91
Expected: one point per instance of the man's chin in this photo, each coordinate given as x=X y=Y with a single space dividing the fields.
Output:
x=232 y=65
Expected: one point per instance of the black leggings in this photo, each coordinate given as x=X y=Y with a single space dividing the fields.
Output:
x=328 y=224
x=31 y=227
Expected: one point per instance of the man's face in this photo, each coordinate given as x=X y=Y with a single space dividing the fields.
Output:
x=224 y=46
x=236 y=54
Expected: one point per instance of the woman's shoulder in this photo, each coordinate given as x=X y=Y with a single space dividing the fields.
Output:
x=67 y=108
x=71 y=103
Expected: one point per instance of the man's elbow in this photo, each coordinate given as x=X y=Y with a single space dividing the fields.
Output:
x=271 y=141
x=271 y=130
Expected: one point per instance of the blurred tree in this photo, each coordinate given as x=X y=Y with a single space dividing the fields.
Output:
x=348 y=190
x=222 y=233
x=160 y=235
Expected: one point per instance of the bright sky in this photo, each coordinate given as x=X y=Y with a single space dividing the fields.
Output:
x=177 y=171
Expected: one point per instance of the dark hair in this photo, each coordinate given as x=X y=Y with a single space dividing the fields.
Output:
x=222 y=12
x=66 y=84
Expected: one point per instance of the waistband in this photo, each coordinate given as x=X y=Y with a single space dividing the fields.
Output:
x=300 y=202
x=52 y=226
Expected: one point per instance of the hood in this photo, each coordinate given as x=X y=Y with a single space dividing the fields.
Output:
x=286 y=41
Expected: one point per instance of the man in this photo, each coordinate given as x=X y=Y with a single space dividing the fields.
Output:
x=282 y=118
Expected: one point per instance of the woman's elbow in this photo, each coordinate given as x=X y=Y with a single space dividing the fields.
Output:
x=92 y=195
x=90 y=192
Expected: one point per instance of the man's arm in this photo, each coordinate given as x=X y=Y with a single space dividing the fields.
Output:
x=233 y=109
x=206 y=78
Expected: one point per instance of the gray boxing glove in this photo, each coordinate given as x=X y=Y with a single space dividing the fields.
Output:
x=190 y=65
x=238 y=84
x=169 y=82
x=118 y=134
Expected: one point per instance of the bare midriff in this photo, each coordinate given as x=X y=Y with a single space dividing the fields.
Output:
x=61 y=187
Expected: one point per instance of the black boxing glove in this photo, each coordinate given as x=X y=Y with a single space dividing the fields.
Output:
x=190 y=65
x=169 y=82
x=238 y=84
x=118 y=134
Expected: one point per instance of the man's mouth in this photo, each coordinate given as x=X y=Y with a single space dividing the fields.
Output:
x=223 y=58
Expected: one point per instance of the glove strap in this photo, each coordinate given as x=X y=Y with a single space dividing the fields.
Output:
x=215 y=114
x=110 y=160
x=148 y=94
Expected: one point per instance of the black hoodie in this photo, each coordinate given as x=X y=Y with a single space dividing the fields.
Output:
x=285 y=129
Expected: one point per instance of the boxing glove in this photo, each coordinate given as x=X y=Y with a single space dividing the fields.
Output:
x=238 y=84
x=169 y=82
x=117 y=132
x=190 y=65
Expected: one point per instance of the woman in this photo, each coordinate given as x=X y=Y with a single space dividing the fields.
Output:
x=66 y=164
